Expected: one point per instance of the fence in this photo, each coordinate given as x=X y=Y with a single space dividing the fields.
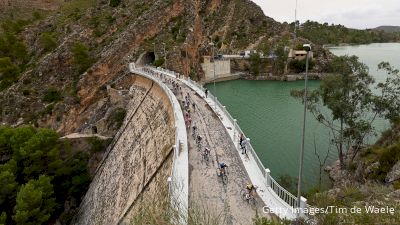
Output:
x=179 y=178
x=281 y=194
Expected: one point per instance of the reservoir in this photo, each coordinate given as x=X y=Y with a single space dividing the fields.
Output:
x=272 y=119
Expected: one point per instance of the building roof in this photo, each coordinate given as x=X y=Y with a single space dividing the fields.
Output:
x=302 y=52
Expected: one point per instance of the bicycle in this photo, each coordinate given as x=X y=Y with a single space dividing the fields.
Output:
x=198 y=142
x=205 y=155
x=248 y=196
x=194 y=129
x=222 y=173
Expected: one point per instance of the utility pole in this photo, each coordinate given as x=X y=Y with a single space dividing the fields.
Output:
x=213 y=58
x=306 y=47
x=187 y=62
x=295 y=21
x=165 y=57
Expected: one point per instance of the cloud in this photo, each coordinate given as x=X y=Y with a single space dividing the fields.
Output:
x=356 y=14
x=362 y=17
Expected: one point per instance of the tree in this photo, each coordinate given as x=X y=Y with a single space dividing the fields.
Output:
x=350 y=103
x=81 y=57
x=389 y=104
x=35 y=202
x=280 y=61
x=7 y=182
x=35 y=153
x=3 y=218
x=299 y=66
x=9 y=73
x=255 y=63
x=114 y=3
x=5 y=135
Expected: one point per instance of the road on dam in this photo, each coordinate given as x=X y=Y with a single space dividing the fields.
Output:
x=207 y=193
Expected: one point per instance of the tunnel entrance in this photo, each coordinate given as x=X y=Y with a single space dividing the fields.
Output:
x=146 y=58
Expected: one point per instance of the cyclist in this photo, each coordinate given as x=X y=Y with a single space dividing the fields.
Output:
x=221 y=168
x=250 y=190
x=194 y=107
x=206 y=151
x=194 y=129
x=198 y=140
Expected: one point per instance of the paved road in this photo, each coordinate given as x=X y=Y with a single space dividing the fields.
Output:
x=206 y=191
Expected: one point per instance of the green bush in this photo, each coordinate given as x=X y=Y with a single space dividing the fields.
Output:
x=299 y=66
x=35 y=202
x=116 y=118
x=159 y=62
x=82 y=58
x=9 y=73
x=97 y=144
x=255 y=64
x=115 y=3
x=39 y=177
x=388 y=157
x=48 y=41
x=52 y=95
x=26 y=92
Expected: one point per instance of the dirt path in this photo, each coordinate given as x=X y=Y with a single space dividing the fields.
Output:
x=206 y=191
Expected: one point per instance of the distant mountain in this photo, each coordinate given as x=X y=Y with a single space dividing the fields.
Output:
x=389 y=29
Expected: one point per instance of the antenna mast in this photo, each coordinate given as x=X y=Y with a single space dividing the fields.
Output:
x=295 y=21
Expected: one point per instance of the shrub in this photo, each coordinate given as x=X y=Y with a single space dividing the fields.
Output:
x=299 y=66
x=81 y=57
x=52 y=95
x=26 y=92
x=117 y=118
x=48 y=41
x=97 y=144
x=159 y=62
x=9 y=73
x=115 y=3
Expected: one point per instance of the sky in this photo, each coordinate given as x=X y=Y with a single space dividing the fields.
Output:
x=359 y=14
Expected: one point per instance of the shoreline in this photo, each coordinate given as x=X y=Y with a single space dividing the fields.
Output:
x=286 y=78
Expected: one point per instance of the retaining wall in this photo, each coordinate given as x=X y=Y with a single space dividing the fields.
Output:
x=138 y=161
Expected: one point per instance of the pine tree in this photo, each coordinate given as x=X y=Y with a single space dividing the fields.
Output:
x=35 y=202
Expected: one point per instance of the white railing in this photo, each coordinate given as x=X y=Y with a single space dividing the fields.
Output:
x=281 y=192
x=285 y=197
x=179 y=178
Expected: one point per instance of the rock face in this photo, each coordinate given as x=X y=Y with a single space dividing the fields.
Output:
x=394 y=173
x=139 y=160
x=116 y=36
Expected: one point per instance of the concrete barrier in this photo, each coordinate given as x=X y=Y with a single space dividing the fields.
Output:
x=179 y=179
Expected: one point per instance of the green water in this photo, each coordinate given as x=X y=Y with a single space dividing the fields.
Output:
x=273 y=119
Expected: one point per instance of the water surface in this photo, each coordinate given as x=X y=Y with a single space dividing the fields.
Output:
x=273 y=119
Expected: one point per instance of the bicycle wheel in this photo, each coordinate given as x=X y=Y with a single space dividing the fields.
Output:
x=243 y=193
x=252 y=201
x=224 y=179
x=206 y=157
x=218 y=173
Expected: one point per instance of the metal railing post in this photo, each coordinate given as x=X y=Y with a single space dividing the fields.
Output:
x=234 y=131
x=267 y=177
x=303 y=205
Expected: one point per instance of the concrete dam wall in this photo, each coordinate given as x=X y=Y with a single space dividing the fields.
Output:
x=139 y=159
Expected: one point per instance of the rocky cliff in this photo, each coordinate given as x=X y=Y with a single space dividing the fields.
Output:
x=114 y=36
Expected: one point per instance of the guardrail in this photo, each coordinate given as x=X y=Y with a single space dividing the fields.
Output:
x=285 y=197
x=179 y=178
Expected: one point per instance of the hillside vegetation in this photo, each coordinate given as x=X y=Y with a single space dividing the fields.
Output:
x=39 y=176
x=338 y=34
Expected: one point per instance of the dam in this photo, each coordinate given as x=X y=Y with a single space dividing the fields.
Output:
x=153 y=149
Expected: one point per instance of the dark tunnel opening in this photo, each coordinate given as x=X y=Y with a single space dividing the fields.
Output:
x=149 y=58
